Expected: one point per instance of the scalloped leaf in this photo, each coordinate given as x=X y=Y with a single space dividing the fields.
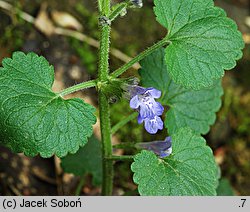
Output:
x=33 y=119
x=87 y=160
x=204 y=42
x=189 y=170
x=188 y=108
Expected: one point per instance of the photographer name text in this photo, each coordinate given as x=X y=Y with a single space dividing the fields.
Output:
x=42 y=203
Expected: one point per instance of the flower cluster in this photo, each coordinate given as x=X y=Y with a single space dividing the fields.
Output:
x=143 y=100
x=161 y=148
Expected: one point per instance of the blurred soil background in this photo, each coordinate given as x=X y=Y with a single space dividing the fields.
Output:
x=53 y=28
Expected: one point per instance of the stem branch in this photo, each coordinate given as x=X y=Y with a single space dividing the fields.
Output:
x=118 y=11
x=124 y=145
x=139 y=57
x=80 y=86
x=123 y=122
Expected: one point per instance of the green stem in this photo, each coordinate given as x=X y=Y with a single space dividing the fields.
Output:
x=80 y=86
x=123 y=122
x=118 y=11
x=107 y=182
x=79 y=186
x=106 y=7
x=103 y=71
x=127 y=145
x=139 y=57
x=100 y=6
x=120 y=157
x=104 y=54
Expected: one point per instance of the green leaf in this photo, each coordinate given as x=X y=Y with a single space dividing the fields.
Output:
x=224 y=188
x=188 y=108
x=33 y=119
x=204 y=42
x=87 y=160
x=189 y=170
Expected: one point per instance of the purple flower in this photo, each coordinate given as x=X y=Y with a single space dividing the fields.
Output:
x=143 y=100
x=152 y=125
x=161 y=148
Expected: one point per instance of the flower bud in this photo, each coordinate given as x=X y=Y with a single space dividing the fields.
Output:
x=137 y=3
x=160 y=148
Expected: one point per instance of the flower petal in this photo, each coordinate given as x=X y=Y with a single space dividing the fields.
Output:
x=151 y=128
x=154 y=92
x=159 y=123
x=158 y=109
x=145 y=112
x=165 y=153
x=139 y=119
x=152 y=125
x=168 y=140
x=139 y=89
x=134 y=102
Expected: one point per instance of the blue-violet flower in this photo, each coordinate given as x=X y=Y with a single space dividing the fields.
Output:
x=152 y=125
x=143 y=100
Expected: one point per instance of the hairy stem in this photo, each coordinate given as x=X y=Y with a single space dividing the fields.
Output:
x=100 y=2
x=120 y=157
x=123 y=122
x=139 y=57
x=107 y=182
x=80 y=86
x=103 y=71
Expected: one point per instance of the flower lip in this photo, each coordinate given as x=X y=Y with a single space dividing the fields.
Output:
x=134 y=102
x=153 y=125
